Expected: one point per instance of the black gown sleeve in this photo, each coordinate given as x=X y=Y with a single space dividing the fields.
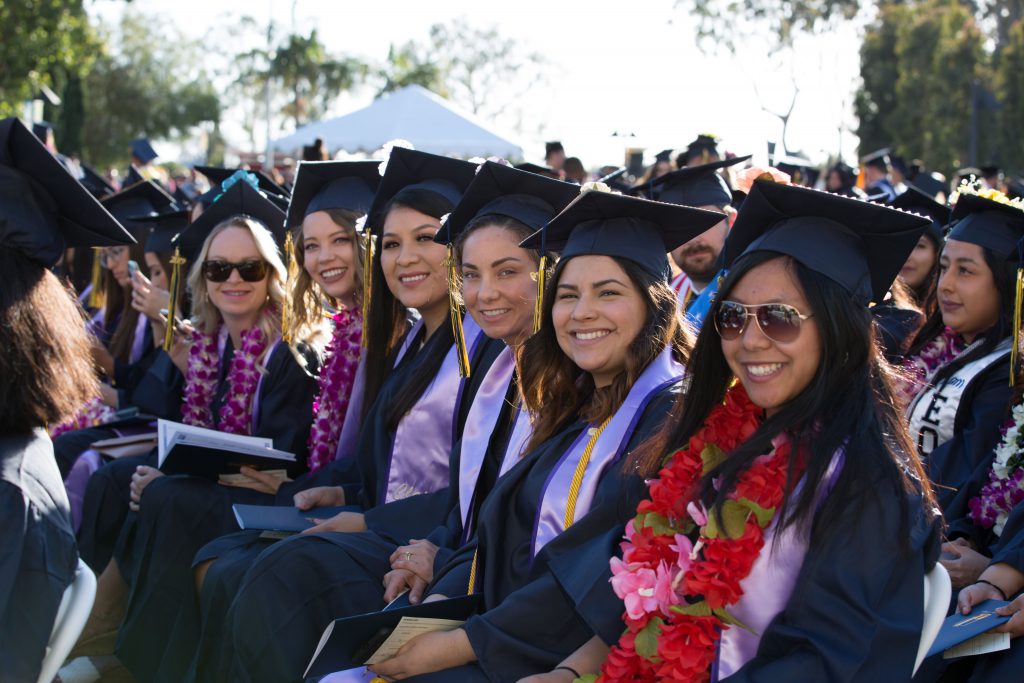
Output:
x=159 y=391
x=856 y=610
x=1009 y=549
x=286 y=404
x=954 y=464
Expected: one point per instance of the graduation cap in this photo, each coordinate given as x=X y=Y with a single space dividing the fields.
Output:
x=217 y=175
x=919 y=202
x=142 y=150
x=703 y=147
x=663 y=155
x=132 y=177
x=539 y=170
x=43 y=208
x=409 y=169
x=859 y=245
x=878 y=159
x=607 y=224
x=800 y=171
x=692 y=185
x=41 y=129
x=94 y=182
x=552 y=147
x=138 y=202
x=995 y=225
x=165 y=229
x=322 y=185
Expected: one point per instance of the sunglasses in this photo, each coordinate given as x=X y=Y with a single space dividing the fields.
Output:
x=220 y=271
x=107 y=254
x=779 y=322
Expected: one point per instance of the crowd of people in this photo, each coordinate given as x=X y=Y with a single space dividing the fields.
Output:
x=711 y=424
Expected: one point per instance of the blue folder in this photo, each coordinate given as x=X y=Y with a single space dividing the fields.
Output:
x=962 y=627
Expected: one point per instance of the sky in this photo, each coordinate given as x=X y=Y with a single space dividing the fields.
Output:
x=610 y=66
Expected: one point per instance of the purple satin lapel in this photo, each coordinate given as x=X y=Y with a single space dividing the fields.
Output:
x=550 y=516
x=419 y=458
x=480 y=423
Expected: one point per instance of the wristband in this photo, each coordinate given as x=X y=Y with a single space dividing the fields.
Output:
x=571 y=670
x=989 y=583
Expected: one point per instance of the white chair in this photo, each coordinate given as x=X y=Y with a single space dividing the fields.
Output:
x=71 y=617
x=937 y=592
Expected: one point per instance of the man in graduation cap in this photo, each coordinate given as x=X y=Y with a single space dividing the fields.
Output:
x=702 y=187
x=877 y=184
x=45 y=375
x=141 y=167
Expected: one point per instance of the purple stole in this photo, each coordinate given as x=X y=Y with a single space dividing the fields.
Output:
x=550 y=518
x=481 y=422
x=419 y=459
x=770 y=583
x=138 y=339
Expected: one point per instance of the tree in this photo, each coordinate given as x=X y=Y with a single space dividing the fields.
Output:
x=36 y=38
x=410 y=64
x=1010 y=86
x=148 y=81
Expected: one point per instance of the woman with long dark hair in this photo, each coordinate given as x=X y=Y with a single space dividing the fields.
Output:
x=955 y=419
x=45 y=374
x=788 y=529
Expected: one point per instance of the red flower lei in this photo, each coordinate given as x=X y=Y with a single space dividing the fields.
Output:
x=673 y=636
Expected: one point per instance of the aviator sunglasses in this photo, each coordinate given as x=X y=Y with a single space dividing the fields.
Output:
x=779 y=322
x=220 y=271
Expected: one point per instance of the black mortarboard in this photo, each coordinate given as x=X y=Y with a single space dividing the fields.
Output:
x=607 y=224
x=41 y=129
x=663 y=155
x=692 y=185
x=43 y=208
x=919 y=202
x=217 y=175
x=899 y=164
x=132 y=177
x=551 y=147
x=989 y=170
x=143 y=151
x=239 y=199
x=505 y=191
x=703 y=146
x=539 y=170
x=409 y=169
x=166 y=227
x=993 y=225
x=878 y=159
x=857 y=244
x=95 y=183
x=145 y=198
x=322 y=185
x=800 y=171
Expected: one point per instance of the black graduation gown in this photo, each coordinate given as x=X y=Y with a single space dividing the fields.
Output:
x=178 y=514
x=200 y=632
x=300 y=585
x=528 y=626
x=39 y=557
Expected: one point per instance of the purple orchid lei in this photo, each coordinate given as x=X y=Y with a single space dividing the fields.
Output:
x=918 y=369
x=201 y=382
x=1005 y=486
x=336 y=379
x=95 y=412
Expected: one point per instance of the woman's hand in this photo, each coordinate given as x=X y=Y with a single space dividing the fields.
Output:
x=147 y=299
x=140 y=480
x=319 y=496
x=258 y=481
x=1015 y=626
x=975 y=594
x=427 y=653
x=417 y=557
x=966 y=567
x=108 y=395
x=397 y=581
x=347 y=522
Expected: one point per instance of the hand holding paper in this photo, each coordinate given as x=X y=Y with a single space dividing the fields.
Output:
x=427 y=653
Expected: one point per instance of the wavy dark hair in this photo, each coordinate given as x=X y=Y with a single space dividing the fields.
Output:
x=848 y=404
x=1003 y=278
x=555 y=389
x=388 y=320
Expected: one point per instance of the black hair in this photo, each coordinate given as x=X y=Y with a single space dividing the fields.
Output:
x=847 y=406
x=388 y=320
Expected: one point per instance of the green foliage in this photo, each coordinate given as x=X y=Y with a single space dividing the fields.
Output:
x=147 y=82
x=725 y=23
x=1010 y=86
x=410 y=64
x=38 y=37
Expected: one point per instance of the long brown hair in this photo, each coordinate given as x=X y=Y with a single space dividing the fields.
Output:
x=555 y=389
x=120 y=299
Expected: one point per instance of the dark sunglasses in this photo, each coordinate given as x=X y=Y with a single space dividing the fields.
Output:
x=220 y=271
x=779 y=322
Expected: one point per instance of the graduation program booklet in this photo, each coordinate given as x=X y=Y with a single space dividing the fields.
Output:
x=370 y=638
x=184 y=449
x=281 y=518
x=962 y=627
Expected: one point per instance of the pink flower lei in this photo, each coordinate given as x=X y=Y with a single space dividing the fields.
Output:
x=336 y=379
x=243 y=378
x=94 y=413
x=918 y=369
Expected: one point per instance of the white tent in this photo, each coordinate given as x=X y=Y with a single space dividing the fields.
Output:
x=431 y=123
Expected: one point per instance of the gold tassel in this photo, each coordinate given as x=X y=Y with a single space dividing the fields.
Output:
x=1018 y=299
x=538 y=305
x=367 y=285
x=177 y=261
x=292 y=272
x=455 y=312
x=96 y=293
